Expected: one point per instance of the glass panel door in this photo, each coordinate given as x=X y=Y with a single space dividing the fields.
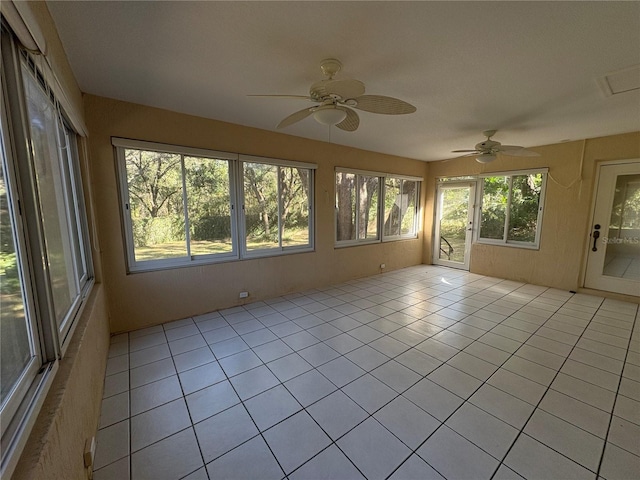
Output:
x=454 y=225
x=614 y=248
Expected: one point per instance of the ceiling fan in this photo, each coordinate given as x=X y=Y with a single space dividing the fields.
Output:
x=487 y=151
x=334 y=97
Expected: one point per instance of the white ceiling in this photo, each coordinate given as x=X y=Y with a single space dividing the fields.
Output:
x=528 y=69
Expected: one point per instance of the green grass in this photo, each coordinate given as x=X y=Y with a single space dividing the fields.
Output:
x=204 y=247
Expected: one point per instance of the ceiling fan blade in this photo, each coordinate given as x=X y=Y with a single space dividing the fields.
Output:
x=301 y=97
x=383 y=105
x=523 y=152
x=346 y=89
x=516 y=151
x=504 y=148
x=464 y=151
x=295 y=117
x=351 y=123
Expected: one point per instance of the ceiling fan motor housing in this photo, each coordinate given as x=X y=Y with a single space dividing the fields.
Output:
x=487 y=145
x=318 y=91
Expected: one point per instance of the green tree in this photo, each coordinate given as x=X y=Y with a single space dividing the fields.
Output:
x=155 y=196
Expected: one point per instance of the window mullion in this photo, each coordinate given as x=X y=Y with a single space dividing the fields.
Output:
x=402 y=204
x=357 y=206
x=507 y=213
x=279 y=196
x=232 y=177
x=187 y=228
x=241 y=210
x=382 y=193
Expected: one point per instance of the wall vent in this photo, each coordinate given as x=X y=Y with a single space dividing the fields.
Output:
x=622 y=81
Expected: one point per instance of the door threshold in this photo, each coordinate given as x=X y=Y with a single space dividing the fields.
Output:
x=613 y=295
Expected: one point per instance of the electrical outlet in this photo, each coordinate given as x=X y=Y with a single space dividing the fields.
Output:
x=244 y=294
x=382 y=266
x=89 y=452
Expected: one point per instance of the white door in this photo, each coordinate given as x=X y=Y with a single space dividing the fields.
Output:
x=613 y=262
x=454 y=225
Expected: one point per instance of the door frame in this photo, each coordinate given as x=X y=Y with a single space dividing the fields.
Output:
x=591 y=222
x=472 y=185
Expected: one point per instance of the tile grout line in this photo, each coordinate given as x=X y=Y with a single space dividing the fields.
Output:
x=467 y=400
x=368 y=372
x=191 y=426
x=414 y=451
x=615 y=399
x=537 y=406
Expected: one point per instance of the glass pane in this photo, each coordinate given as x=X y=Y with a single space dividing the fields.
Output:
x=368 y=188
x=454 y=216
x=622 y=259
x=409 y=191
x=294 y=196
x=392 y=199
x=74 y=188
x=345 y=206
x=261 y=206
x=156 y=205
x=524 y=207
x=15 y=347
x=495 y=194
x=50 y=179
x=208 y=205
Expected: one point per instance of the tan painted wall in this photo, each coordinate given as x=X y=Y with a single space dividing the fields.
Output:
x=71 y=410
x=565 y=225
x=144 y=299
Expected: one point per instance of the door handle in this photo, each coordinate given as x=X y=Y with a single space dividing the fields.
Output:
x=596 y=235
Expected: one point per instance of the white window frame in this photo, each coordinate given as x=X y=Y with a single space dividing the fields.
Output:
x=381 y=210
x=504 y=242
x=414 y=233
x=357 y=241
x=122 y=144
x=280 y=250
x=236 y=198
x=48 y=338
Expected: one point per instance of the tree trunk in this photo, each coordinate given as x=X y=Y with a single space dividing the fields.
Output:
x=253 y=185
x=345 y=209
x=392 y=225
x=366 y=191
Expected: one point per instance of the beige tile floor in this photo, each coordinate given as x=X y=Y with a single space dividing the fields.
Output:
x=421 y=373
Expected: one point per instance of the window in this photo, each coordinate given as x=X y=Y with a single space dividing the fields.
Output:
x=277 y=207
x=357 y=207
x=511 y=208
x=371 y=207
x=399 y=207
x=45 y=262
x=179 y=205
x=58 y=191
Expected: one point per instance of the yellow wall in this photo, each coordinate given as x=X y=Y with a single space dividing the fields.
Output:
x=565 y=226
x=143 y=299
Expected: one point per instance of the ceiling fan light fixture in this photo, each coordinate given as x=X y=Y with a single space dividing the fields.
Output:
x=486 y=158
x=329 y=115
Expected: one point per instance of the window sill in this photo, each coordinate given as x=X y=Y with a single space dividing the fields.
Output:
x=511 y=245
x=372 y=242
x=22 y=423
x=227 y=259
